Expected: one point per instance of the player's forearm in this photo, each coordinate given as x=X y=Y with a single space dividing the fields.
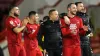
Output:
x=17 y=29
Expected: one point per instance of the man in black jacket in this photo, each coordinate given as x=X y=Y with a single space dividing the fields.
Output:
x=85 y=43
x=52 y=34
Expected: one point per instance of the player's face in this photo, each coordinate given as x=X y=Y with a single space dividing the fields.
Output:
x=35 y=17
x=80 y=7
x=54 y=15
x=73 y=9
x=16 y=11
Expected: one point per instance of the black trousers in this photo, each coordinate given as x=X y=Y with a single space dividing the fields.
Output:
x=54 y=52
x=86 y=50
x=1 y=52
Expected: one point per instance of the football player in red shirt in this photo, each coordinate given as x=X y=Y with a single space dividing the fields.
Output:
x=14 y=32
x=70 y=32
x=30 y=35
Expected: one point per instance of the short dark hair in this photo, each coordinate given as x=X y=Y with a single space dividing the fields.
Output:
x=69 y=5
x=32 y=13
x=45 y=18
x=76 y=3
x=62 y=15
x=52 y=10
x=11 y=7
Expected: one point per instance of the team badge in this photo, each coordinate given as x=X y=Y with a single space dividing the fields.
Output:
x=12 y=23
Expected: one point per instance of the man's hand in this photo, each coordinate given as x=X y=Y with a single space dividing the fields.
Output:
x=45 y=52
x=90 y=35
x=85 y=28
x=25 y=21
x=74 y=32
x=66 y=19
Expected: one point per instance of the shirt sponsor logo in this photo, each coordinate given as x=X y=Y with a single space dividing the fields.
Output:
x=73 y=26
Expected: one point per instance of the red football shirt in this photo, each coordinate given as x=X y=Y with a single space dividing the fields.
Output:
x=30 y=36
x=70 y=39
x=12 y=37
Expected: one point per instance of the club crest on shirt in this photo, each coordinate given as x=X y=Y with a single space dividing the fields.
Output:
x=12 y=23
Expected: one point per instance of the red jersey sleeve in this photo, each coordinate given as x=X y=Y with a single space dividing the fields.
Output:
x=81 y=30
x=81 y=23
x=65 y=28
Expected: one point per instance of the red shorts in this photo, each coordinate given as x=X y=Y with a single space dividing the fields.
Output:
x=16 y=50
x=72 y=51
x=33 y=52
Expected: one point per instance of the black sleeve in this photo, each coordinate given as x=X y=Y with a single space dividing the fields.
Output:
x=40 y=35
x=90 y=27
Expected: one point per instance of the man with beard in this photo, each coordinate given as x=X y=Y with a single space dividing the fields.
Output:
x=52 y=34
x=70 y=32
x=85 y=42
x=14 y=32
x=30 y=36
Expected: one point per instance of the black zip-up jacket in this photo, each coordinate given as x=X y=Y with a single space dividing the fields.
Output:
x=52 y=35
x=86 y=21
